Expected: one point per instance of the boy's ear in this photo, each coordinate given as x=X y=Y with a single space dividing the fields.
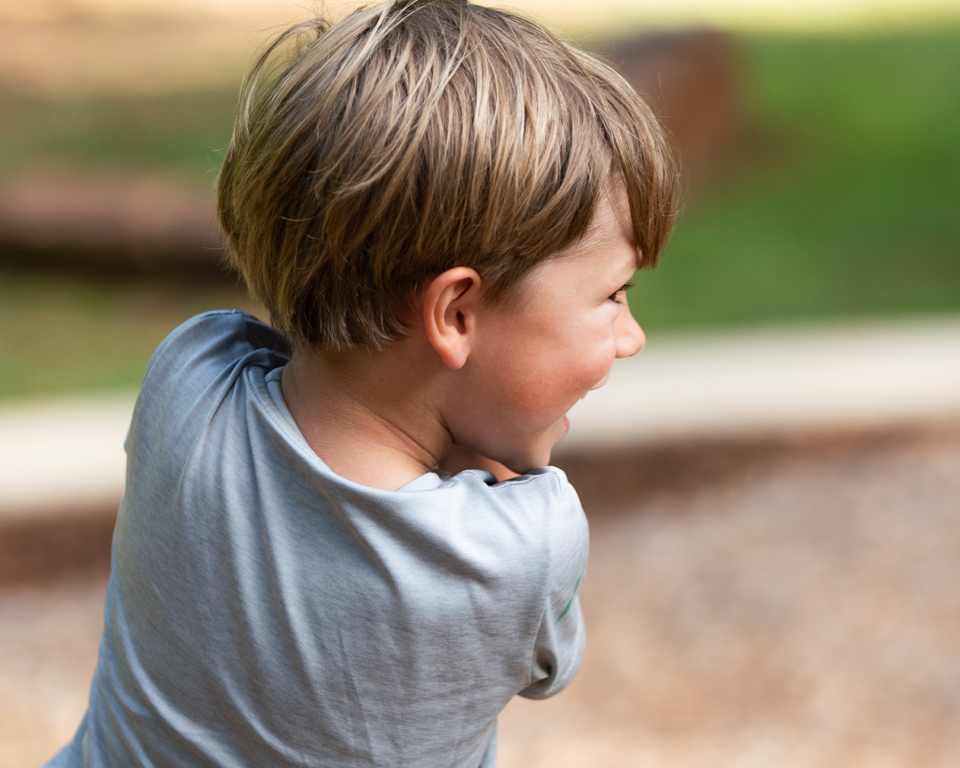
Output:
x=450 y=303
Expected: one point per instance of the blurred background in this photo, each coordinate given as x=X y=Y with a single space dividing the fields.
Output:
x=819 y=141
x=784 y=602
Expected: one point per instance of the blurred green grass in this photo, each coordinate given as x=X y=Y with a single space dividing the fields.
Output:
x=71 y=333
x=185 y=133
x=846 y=200
x=843 y=202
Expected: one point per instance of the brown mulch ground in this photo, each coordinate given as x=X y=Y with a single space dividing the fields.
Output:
x=755 y=605
x=797 y=609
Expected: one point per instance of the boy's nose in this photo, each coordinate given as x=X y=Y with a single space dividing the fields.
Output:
x=630 y=336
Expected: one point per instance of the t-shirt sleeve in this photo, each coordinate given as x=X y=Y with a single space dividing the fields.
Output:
x=561 y=636
x=190 y=374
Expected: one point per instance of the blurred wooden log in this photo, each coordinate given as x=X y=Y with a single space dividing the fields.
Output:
x=690 y=80
x=112 y=222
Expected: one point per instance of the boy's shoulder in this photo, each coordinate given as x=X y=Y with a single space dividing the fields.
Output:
x=536 y=517
x=208 y=347
x=540 y=506
x=225 y=334
x=194 y=368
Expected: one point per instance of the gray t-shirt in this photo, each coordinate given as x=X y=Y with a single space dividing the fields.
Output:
x=263 y=611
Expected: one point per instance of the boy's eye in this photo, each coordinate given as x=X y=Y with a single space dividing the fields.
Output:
x=619 y=294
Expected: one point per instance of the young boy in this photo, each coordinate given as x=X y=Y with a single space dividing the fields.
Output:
x=440 y=205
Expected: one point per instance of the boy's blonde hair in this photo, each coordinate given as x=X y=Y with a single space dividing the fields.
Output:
x=419 y=135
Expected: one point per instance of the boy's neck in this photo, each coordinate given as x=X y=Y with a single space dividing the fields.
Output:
x=368 y=415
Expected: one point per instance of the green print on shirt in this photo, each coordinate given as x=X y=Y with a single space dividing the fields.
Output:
x=570 y=601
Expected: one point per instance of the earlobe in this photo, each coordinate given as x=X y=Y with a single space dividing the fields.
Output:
x=449 y=306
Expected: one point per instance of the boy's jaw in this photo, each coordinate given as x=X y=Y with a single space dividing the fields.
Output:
x=557 y=432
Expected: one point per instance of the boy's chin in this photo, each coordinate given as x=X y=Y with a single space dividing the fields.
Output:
x=539 y=455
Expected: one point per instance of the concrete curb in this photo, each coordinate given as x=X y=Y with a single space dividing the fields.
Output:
x=66 y=456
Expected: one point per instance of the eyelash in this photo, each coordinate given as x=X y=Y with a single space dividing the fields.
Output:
x=623 y=289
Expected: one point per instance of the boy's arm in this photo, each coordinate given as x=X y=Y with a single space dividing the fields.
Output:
x=458 y=459
x=561 y=636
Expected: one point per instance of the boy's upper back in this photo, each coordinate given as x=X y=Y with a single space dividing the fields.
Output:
x=263 y=611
